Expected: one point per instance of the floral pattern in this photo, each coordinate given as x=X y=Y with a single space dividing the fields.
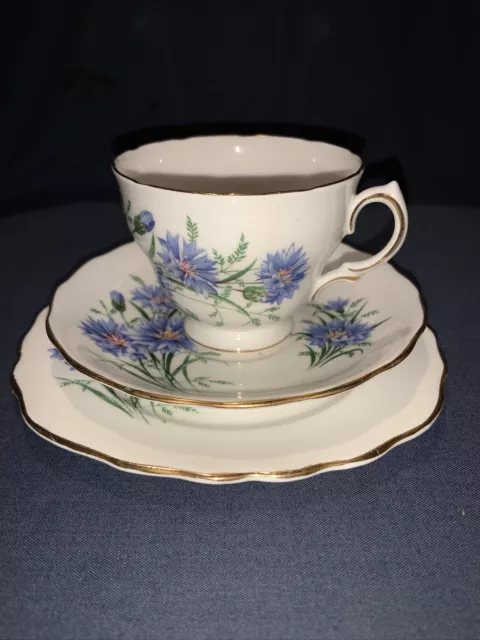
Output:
x=154 y=298
x=282 y=272
x=144 y=335
x=161 y=333
x=107 y=334
x=232 y=282
x=338 y=329
x=188 y=265
x=130 y=405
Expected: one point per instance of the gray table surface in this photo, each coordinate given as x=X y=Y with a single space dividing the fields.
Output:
x=386 y=551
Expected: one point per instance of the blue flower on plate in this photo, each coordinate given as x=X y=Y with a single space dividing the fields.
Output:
x=282 y=272
x=118 y=301
x=340 y=304
x=56 y=355
x=339 y=333
x=185 y=262
x=154 y=297
x=161 y=333
x=110 y=336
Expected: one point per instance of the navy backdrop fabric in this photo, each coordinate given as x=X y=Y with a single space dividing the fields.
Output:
x=397 y=78
x=389 y=551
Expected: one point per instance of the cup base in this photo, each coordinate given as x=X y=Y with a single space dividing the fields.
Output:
x=235 y=340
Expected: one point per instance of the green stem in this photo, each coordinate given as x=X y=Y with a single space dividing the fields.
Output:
x=339 y=355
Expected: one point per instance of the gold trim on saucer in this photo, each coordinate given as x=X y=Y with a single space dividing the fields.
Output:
x=238 y=404
x=288 y=474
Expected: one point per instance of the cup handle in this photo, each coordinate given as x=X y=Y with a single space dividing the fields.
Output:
x=390 y=195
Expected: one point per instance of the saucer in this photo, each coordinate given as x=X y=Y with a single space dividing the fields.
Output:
x=114 y=323
x=352 y=429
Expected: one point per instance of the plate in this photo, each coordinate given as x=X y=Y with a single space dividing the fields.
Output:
x=352 y=429
x=113 y=322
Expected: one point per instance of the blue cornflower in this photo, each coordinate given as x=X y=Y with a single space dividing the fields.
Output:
x=340 y=304
x=143 y=222
x=110 y=336
x=56 y=355
x=282 y=272
x=339 y=333
x=188 y=264
x=161 y=333
x=118 y=301
x=154 y=297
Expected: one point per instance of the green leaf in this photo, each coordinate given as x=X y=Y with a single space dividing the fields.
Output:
x=104 y=307
x=104 y=397
x=312 y=355
x=138 y=280
x=240 y=252
x=138 y=226
x=192 y=229
x=181 y=407
x=95 y=311
x=219 y=258
x=255 y=293
x=233 y=304
x=238 y=274
x=332 y=316
x=141 y=311
x=151 y=251
x=357 y=313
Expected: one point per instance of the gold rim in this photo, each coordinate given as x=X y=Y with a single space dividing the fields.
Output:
x=241 y=351
x=239 y=404
x=289 y=474
x=266 y=193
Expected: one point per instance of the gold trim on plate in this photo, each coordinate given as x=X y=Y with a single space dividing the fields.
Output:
x=288 y=474
x=238 y=404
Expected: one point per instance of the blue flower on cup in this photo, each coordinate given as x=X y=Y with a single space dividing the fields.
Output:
x=339 y=332
x=143 y=223
x=282 y=272
x=110 y=336
x=153 y=297
x=186 y=263
x=161 y=333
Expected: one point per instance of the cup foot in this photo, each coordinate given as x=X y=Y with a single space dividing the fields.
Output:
x=236 y=340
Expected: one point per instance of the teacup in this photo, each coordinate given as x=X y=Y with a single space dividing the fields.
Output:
x=239 y=229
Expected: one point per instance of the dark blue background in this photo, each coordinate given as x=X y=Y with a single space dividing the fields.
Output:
x=389 y=551
x=396 y=81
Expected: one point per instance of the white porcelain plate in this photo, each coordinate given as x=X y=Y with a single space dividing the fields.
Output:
x=344 y=431
x=112 y=322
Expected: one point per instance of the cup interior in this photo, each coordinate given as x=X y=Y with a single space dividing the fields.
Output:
x=243 y=165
